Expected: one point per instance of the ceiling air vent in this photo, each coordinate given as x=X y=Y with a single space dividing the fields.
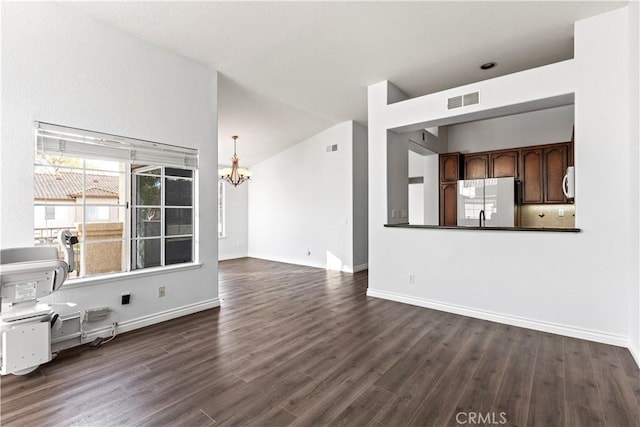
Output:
x=471 y=98
x=463 y=100
x=455 y=102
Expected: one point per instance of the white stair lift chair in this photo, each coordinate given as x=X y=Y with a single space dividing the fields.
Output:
x=27 y=274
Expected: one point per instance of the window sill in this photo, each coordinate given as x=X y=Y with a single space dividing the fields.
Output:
x=115 y=277
x=446 y=227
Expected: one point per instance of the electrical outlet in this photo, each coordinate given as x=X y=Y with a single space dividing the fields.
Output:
x=161 y=291
x=560 y=212
x=125 y=298
x=412 y=278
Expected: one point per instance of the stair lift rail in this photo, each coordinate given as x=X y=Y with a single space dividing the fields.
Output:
x=26 y=275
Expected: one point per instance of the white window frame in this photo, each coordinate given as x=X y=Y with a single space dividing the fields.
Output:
x=79 y=143
x=163 y=207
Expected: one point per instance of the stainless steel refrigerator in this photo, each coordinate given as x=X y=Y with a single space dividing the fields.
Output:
x=486 y=202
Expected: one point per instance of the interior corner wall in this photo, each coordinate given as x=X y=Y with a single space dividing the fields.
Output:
x=62 y=67
x=300 y=203
x=634 y=166
x=360 y=202
x=235 y=242
x=397 y=178
x=519 y=130
x=575 y=284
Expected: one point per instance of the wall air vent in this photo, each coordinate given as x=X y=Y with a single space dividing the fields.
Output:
x=455 y=102
x=463 y=100
x=471 y=98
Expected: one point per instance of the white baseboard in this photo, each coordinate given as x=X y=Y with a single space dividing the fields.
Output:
x=635 y=352
x=287 y=260
x=226 y=257
x=555 y=328
x=152 y=319
x=360 y=267
x=296 y=261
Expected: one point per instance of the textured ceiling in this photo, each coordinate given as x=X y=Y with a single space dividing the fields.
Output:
x=291 y=69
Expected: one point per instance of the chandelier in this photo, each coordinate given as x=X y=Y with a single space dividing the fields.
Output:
x=234 y=175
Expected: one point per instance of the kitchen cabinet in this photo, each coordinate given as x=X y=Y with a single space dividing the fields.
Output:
x=542 y=171
x=449 y=204
x=531 y=175
x=476 y=166
x=555 y=162
x=504 y=164
x=449 y=167
x=450 y=172
x=539 y=171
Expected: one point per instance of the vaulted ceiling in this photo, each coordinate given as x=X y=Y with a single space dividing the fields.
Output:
x=291 y=69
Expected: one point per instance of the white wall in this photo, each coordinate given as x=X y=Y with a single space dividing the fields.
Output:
x=518 y=130
x=397 y=174
x=62 y=67
x=416 y=203
x=235 y=242
x=634 y=166
x=360 y=197
x=576 y=284
x=424 y=198
x=431 y=190
x=416 y=164
x=302 y=200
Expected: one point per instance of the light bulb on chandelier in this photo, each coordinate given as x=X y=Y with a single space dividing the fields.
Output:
x=234 y=175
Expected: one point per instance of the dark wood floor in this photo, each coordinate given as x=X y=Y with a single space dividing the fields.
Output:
x=301 y=346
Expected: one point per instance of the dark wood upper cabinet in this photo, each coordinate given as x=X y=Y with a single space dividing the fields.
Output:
x=531 y=175
x=450 y=167
x=555 y=161
x=540 y=170
x=504 y=164
x=476 y=166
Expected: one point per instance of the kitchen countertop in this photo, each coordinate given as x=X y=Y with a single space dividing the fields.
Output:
x=449 y=227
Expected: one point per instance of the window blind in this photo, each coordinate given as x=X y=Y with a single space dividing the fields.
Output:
x=55 y=139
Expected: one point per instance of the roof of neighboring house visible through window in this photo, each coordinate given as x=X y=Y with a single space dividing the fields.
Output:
x=68 y=185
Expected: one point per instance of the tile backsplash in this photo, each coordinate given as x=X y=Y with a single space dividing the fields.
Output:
x=547 y=216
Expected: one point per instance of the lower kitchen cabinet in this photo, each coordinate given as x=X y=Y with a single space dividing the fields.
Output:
x=449 y=204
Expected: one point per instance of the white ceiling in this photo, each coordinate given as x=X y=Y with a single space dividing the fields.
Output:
x=288 y=70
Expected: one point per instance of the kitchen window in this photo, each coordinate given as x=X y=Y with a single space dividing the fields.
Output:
x=131 y=203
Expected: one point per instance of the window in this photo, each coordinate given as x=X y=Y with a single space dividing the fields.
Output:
x=221 y=217
x=49 y=213
x=163 y=216
x=131 y=203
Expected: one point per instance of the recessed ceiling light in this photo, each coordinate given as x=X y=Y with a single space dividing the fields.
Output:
x=488 y=65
